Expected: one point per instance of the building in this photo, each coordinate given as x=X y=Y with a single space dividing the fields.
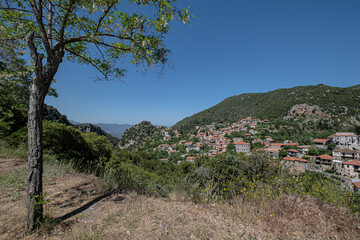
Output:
x=320 y=143
x=242 y=147
x=349 y=168
x=324 y=160
x=356 y=186
x=303 y=149
x=273 y=152
x=347 y=140
x=295 y=165
x=190 y=159
x=345 y=154
x=293 y=153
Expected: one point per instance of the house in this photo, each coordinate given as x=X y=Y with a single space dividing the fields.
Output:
x=273 y=152
x=303 y=149
x=291 y=145
x=199 y=147
x=348 y=140
x=252 y=125
x=293 y=153
x=221 y=149
x=295 y=165
x=238 y=140
x=188 y=144
x=356 y=186
x=345 y=154
x=267 y=138
x=320 y=143
x=190 y=159
x=276 y=145
x=350 y=169
x=325 y=160
x=242 y=147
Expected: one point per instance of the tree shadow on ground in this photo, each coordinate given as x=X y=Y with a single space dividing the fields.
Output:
x=84 y=207
x=49 y=224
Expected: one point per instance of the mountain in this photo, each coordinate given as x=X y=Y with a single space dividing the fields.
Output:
x=50 y=113
x=114 y=129
x=138 y=134
x=337 y=106
x=88 y=127
x=74 y=122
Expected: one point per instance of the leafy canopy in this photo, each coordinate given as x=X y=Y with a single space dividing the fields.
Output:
x=97 y=32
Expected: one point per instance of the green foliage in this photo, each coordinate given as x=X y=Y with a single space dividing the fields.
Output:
x=139 y=134
x=15 y=78
x=276 y=104
x=96 y=32
x=87 y=151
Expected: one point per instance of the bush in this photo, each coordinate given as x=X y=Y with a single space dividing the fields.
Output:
x=87 y=151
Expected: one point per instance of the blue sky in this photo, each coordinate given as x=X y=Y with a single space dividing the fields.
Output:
x=231 y=47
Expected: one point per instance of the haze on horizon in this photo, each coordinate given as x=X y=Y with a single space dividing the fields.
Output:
x=230 y=48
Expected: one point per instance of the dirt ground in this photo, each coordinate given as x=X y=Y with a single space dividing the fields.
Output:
x=80 y=208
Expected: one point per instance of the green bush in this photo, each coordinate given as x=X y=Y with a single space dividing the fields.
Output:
x=87 y=151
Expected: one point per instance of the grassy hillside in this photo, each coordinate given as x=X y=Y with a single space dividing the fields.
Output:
x=338 y=104
x=79 y=206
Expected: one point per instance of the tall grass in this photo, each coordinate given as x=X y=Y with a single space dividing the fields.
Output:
x=7 y=151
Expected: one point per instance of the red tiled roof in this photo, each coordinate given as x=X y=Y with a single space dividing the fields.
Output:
x=304 y=146
x=317 y=140
x=291 y=144
x=293 y=150
x=352 y=162
x=326 y=157
x=272 y=149
x=294 y=159
x=357 y=184
x=241 y=143
x=278 y=144
x=344 y=150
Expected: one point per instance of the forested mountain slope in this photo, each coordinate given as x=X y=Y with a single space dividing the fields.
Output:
x=333 y=104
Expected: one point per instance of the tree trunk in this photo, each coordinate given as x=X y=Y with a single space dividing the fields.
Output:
x=37 y=91
x=35 y=158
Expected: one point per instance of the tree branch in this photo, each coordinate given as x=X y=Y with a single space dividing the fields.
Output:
x=38 y=16
x=50 y=21
x=17 y=9
x=66 y=17
x=34 y=55
x=103 y=16
x=88 y=61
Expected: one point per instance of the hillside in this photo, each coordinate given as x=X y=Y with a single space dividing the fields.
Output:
x=50 y=113
x=137 y=134
x=79 y=206
x=116 y=130
x=339 y=106
x=88 y=127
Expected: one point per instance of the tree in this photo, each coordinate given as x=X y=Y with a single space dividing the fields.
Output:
x=15 y=77
x=93 y=32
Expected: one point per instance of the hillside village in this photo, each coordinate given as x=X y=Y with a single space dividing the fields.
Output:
x=338 y=154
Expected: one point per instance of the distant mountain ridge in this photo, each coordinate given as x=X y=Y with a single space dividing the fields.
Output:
x=303 y=103
x=50 y=113
x=117 y=130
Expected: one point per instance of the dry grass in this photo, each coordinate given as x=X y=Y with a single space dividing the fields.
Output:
x=81 y=209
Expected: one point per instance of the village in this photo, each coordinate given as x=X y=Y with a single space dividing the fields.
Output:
x=337 y=155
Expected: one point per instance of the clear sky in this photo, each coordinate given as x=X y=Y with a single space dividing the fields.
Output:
x=231 y=47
